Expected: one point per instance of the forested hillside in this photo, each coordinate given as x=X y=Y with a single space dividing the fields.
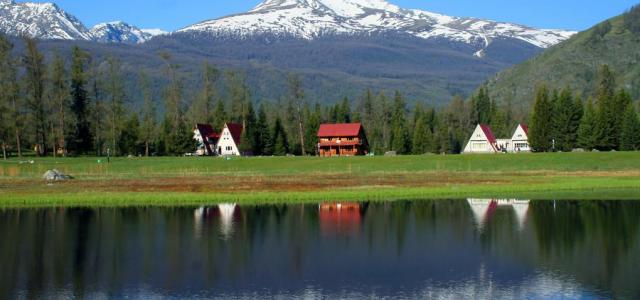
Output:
x=575 y=62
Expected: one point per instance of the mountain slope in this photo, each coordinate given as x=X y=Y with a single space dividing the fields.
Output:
x=47 y=21
x=121 y=32
x=42 y=20
x=310 y=19
x=575 y=62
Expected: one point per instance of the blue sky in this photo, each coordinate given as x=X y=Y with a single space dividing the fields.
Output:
x=175 y=14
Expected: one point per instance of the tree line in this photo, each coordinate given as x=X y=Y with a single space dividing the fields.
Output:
x=78 y=106
x=608 y=120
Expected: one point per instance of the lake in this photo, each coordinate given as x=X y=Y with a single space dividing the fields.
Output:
x=453 y=249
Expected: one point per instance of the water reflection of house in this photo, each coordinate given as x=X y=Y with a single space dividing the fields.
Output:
x=483 y=209
x=340 y=218
x=225 y=212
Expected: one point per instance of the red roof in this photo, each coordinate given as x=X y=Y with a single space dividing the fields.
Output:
x=525 y=128
x=487 y=132
x=206 y=130
x=339 y=130
x=236 y=132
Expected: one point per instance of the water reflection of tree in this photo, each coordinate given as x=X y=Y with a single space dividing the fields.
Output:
x=591 y=239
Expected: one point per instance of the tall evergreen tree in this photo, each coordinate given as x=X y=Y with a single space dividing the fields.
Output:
x=422 y=136
x=344 y=111
x=630 y=129
x=59 y=93
x=250 y=142
x=588 y=132
x=400 y=134
x=128 y=140
x=204 y=106
x=311 y=130
x=10 y=104
x=607 y=123
x=220 y=117
x=263 y=133
x=280 y=142
x=33 y=62
x=82 y=140
x=116 y=95
x=175 y=129
x=148 y=128
x=541 y=129
x=297 y=99
x=566 y=121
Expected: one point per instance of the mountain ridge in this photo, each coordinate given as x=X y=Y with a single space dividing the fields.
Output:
x=575 y=62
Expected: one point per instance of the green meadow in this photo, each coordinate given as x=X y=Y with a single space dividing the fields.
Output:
x=206 y=180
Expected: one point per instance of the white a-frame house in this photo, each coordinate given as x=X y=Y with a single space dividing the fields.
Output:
x=482 y=141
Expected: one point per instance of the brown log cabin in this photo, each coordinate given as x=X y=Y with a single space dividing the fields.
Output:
x=342 y=140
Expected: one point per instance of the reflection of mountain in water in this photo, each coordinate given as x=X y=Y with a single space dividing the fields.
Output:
x=483 y=209
x=421 y=249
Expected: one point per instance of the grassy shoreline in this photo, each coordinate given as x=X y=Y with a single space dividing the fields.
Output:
x=202 y=181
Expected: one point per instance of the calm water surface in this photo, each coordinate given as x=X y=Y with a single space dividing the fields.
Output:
x=457 y=249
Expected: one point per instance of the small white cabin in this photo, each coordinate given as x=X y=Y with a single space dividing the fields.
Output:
x=228 y=144
x=520 y=139
x=482 y=141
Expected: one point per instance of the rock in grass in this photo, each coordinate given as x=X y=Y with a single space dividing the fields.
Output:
x=55 y=175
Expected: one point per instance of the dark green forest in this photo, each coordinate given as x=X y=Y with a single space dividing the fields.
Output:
x=78 y=106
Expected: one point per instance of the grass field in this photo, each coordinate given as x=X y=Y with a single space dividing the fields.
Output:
x=199 y=180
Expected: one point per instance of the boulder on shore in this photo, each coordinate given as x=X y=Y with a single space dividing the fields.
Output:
x=55 y=175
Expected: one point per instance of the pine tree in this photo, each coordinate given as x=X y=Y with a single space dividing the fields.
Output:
x=82 y=140
x=174 y=132
x=344 y=111
x=400 y=134
x=204 y=106
x=566 y=120
x=588 y=132
x=263 y=133
x=482 y=107
x=59 y=92
x=311 y=130
x=297 y=99
x=97 y=109
x=220 y=117
x=422 y=136
x=607 y=124
x=10 y=104
x=280 y=143
x=128 y=140
x=33 y=62
x=541 y=127
x=250 y=143
x=115 y=92
x=622 y=100
x=630 y=127
x=148 y=128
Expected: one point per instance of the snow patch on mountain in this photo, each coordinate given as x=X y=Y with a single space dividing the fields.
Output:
x=310 y=19
x=43 y=20
x=121 y=32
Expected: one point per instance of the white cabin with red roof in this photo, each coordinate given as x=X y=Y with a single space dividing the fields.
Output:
x=342 y=140
x=206 y=139
x=482 y=141
x=520 y=139
x=229 y=141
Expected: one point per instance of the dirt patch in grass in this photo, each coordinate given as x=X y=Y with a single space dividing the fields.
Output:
x=226 y=184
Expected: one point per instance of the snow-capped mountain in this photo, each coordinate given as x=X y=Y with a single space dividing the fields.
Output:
x=48 y=21
x=310 y=19
x=42 y=20
x=121 y=32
